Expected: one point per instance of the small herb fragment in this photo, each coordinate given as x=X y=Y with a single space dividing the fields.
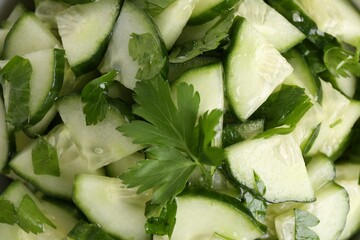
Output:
x=164 y=223
x=86 y=231
x=8 y=213
x=45 y=159
x=304 y=220
x=155 y=7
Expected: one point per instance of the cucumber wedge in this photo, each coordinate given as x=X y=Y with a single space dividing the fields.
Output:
x=85 y=30
x=253 y=69
x=116 y=209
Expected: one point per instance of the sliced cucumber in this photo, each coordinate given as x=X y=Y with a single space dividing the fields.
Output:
x=70 y=161
x=209 y=215
x=115 y=169
x=347 y=176
x=321 y=171
x=4 y=140
x=47 y=10
x=131 y=20
x=253 y=67
x=40 y=127
x=173 y=19
x=263 y=18
x=100 y=144
x=206 y=10
x=331 y=208
x=340 y=115
x=60 y=217
x=3 y=33
x=116 y=209
x=85 y=30
x=277 y=162
x=338 y=18
x=28 y=35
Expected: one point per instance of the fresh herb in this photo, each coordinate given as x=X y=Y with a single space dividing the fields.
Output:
x=304 y=220
x=8 y=212
x=164 y=223
x=341 y=62
x=210 y=41
x=146 y=50
x=16 y=74
x=31 y=218
x=86 y=231
x=94 y=95
x=172 y=138
x=45 y=159
x=155 y=7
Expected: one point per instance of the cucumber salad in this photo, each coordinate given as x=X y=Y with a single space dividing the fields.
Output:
x=180 y=119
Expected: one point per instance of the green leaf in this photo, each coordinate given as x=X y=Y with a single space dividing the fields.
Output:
x=210 y=41
x=285 y=107
x=163 y=224
x=8 y=213
x=146 y=50
x=166 y=171
x=45 y=159
x=155 y=7
x=94 y=95
x=17 y=73
x=341 y=62
x=31 y=218
x=304 y=220
x=86 y=231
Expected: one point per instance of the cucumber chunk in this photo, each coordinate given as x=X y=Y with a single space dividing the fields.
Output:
x=85 y=30
x=116 y=209
x=253 y=69
x=278 y=163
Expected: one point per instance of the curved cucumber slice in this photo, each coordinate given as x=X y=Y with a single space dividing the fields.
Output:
x=85 y=30
x=253 y=68
x=118 y=210
x=4 y=141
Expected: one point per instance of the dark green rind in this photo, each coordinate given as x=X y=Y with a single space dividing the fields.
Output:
x=212 y=13
x=72 y=2
x=58 y=77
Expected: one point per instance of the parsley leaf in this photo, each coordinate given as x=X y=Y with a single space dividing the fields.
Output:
x=341 y=62
x=94 y=95
x=155 y=7
x=210 y=41
x=304 y=220
x=85 y=231
x=31 y=218
x=17 y=74
x=163 y=224
x=7 y=212
x=146 y=50
x=45 y=159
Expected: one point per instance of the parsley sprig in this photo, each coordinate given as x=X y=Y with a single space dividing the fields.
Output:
x=177 y=142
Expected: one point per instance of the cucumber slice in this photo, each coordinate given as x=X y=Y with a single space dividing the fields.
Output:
x=206 y=10
x=278 y=163
x=47 y=10
x=60 y=217
x=70 y=161
x=347 y=176
x=28 y=35
x=225 y=217
x=331 y=208
x=340 y=115
x=100 y=144
x=118 y=210
x=15 y=14
x=253 y=68
x=263 y=18
x=131 y=20
x=4 y=141
x=115 y=169
x=338 y=18
x=40 y=127
x=85 y=30
x=3 y=33
x=173 y=19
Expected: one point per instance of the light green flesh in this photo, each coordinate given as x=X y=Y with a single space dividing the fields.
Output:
x=321 y=171
x=118 y=210
x=28 y=35
x=340 y=115
x=47 y=10
x=3 y=34
x=173 y=19
x=15 y=14
x=70 y=161
x=331 y=208
x=84 y=28
x=199 y=217
x=117 y=56
x=43 y=124
x=263 y=18
x=202 y=6
x=278 y=162
x=347 y=85
x=348 y=177
x=4 y=142
x=335 y=17
x=115 y=169
x=100 y=144
x=63 y=220
x=254 y=68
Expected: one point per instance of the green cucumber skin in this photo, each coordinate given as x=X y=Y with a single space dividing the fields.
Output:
x=59 y=65
x=213 y=12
